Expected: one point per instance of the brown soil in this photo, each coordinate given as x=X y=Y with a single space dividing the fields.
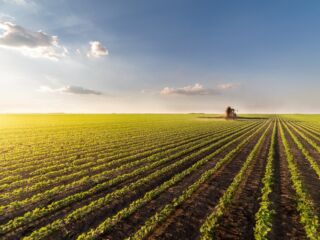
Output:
x=286 y=223
x=308 y=131
x=239 y=221
x=312 y=151
x=128 y=226
x=185 y=222
x=308 y=176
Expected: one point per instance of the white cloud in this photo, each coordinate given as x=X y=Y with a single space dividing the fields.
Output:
x=197 y=89
x=69 y=89
x=6 y=17
x=97 y=50
x=226 y=86
x=33 y=44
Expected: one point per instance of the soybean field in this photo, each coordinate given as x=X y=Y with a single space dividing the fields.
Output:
x=159 y=176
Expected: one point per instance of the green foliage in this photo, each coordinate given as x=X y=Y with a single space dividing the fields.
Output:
x=208 y=227
x=305 y=206
x=265 y=213
x=220 y=140
x=160 y=216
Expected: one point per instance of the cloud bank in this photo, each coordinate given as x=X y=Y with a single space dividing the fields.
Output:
x=33 y=44
x=197 y=89
x=97 y=50
x=69 y=89
x=6 y=17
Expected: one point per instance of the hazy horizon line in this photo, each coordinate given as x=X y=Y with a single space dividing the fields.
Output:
x=106 y=113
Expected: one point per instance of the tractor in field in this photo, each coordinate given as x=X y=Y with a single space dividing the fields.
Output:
x=230 y=113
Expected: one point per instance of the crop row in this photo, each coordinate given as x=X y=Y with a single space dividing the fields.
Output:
x=305 y=206
x=91 y=165
x=162 y=215
x=76 y=143
x=100 y=177
x=70 y=155
x=210 y=224
x=118 y=194
x=40 y=212
x=265 y=214
x=102 y=140
x=303 y=150
x=109 y=222
x=36 y=150
x=69 y=148
x=302 y=134
x=310 y=130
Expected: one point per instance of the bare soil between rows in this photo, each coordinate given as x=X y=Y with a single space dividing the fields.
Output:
x=239 y=221
x=185 y=222
x=84 y=224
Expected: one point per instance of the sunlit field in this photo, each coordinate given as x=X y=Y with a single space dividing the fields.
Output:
x=153 y=176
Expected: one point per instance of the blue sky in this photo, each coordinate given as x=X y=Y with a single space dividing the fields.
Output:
x=159 y=56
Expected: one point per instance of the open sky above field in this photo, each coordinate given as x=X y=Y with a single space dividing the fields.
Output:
x=159 y=56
